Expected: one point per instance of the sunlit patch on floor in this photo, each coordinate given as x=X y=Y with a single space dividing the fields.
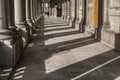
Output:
x=118 y=78
x=58 y=61
x=19 y=73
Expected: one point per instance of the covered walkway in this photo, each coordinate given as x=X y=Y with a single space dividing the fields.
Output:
x=60 y=52
x=59 y=39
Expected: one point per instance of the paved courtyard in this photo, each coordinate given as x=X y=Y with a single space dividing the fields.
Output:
x=60 y=52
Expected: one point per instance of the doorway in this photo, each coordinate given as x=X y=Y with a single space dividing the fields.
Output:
x=59 y=12
x=92 y=16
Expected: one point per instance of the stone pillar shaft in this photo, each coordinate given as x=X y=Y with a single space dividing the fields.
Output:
x=106 y=13
x=72 y=13
x=3 y=15
x=34 y=10
x=77 y=9
x=28 y=10
x=11 y=13
x=31 y=8
x=20 y=18
x=68 y=9
x=19 y=12
x=63 y=9
x=80 y=9
x=10 y=48
x=72 y=9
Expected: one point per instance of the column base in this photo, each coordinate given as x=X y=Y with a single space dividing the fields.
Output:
x=10 y=49
x=79 y=25
x=25 y=33
x=72 y=22
x=67 y=19
x=64 y=18
x=30 y=25
x=110 y=38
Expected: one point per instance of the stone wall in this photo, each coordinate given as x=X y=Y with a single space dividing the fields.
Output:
x=111 y=28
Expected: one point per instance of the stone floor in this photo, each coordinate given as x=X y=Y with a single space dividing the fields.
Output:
x=60 y=52
x=5 y=72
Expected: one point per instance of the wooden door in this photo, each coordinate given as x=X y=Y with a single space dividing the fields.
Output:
x=95 y=19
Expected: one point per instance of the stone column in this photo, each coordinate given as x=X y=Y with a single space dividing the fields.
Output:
x=79 y=11
x=28 y=10
x=4 y=32
x=106 y=22
x=38 y=14
x=63 y=9
x=40 y=7
x=43 y=7
x=50 y=10
x=37 y=9
x=20 y=18
x=72 y=13
x=77 y=14
x=20 y=12
x=11 y=13
x=55 y=11
x=28 y=21
x=2 y=15
x=31 y=9
x=84 y=15
x=8 y=38
x=68 y=10
x=80 y=14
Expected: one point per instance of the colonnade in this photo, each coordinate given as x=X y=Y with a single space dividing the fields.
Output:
x=98 y=17
x=72 y=12
x=18 y=21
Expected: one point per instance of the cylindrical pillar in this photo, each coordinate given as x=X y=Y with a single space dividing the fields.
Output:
x=9 y=43
x=63 y=9
x=68 y=10
x=77 y=9
x=20 y=18
x=3 y=15
x=31 y=9
x=28 y=10
x=19 y=12
x=78 y=15
x=72 y=13
x=106 y=22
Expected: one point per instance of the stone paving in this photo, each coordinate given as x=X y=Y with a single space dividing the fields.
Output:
x=5 y=72
x=60 y=52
